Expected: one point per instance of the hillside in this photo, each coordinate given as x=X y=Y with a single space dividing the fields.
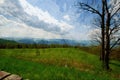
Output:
x=5 y=41
x=56 y=64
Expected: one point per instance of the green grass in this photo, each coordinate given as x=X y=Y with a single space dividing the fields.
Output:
x=56 y=64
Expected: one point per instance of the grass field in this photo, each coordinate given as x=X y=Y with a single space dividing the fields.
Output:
x=56 y=64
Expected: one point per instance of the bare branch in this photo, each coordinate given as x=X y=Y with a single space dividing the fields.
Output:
x=112 y=8
x=114 y=44
x=114 y=30
x=97 y=22
x=116 y=11
x=115 y=21
x=106 y=6
x=89 y=8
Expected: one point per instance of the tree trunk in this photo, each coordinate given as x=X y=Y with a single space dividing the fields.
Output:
x=103 y=48
x=107 y=42
x=107 y=61
x=103 y=35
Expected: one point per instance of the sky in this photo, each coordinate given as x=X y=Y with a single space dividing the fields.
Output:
x=43 y=19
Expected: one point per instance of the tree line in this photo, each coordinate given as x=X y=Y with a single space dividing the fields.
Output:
x=21 y=45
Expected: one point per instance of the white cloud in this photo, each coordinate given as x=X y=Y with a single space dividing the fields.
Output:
x=94 y=34
x=21 y=19
x=94 y=31
x=44 y=16
x=1 y=1
x=14 y=29
x=66 y=17
x=23 y=12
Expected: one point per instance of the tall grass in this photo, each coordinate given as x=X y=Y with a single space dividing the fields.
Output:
x=56 y=64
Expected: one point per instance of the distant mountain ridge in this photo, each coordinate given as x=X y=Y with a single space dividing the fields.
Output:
x=47 y=41
x=5 y=41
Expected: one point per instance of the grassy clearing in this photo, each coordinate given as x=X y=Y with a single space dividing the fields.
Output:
x=56 y=64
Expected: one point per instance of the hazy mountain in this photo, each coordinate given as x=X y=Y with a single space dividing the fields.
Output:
x=4 y=41
x=45 y=41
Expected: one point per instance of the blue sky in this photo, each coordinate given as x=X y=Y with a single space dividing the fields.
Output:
x=43 y=19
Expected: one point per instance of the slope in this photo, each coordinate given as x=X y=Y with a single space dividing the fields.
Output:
x=56 y=64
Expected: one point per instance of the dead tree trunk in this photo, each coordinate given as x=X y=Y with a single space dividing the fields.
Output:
x=107 y=50
x=103 y=34
x=106 y=13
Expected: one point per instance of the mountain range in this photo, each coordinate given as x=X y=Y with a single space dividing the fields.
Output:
x=46 y=41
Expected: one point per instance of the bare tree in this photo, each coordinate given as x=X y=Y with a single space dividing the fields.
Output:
x=108 y=11
x=114 y=36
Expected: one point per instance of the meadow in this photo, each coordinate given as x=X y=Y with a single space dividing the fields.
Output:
x=56 y=64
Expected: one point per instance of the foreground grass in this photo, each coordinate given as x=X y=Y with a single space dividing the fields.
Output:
x=36 y=71
x=56 y=64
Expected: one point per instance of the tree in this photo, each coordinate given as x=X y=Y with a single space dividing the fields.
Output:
x=96 y=36
x=108 y=11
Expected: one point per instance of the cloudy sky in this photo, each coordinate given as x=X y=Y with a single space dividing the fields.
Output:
x=43 y=19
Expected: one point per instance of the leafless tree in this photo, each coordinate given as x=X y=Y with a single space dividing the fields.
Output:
x=108 y=11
